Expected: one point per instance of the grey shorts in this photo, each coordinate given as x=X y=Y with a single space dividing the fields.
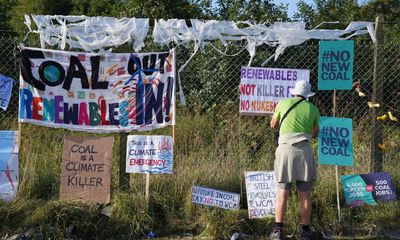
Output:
x=300 y=185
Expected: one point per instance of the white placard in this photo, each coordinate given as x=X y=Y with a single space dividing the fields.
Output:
x=149 y=154
x=215 y=198
x=261 y=193
x=262 y=88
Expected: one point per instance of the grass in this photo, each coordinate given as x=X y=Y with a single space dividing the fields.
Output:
x=211 y=150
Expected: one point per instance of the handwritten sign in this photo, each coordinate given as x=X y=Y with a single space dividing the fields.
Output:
x=361 y=189
x=335 y=144
x=86 y=169
x=262 y=88
x=261 y=193
x=215 y=198
x=97 y=92
x=8 y=165
x=335 y=65
x=149 y=154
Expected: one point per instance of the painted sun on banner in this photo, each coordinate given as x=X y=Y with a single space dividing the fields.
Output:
x=97 y=92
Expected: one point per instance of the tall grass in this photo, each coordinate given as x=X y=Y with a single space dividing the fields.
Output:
x=211 y=150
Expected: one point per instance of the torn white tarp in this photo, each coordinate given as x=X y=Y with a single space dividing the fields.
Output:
x=281 y=34
x=89 y=33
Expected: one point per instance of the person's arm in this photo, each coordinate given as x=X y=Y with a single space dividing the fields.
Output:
x=274 y=122
x=315 y=131
x=316 y=125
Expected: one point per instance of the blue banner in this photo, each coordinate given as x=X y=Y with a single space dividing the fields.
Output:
x=361 y=189
x=335 y=65
x=335 y=144
x=6 y=85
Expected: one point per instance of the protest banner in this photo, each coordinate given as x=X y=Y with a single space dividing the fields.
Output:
x=335 y=141
x=335 y=65
x=361 y=189
x=8 y=165
x=149 y=154
x=215 y=198
x=97 y=92
x=86 y=169
x=262 y=88
x=261 y=193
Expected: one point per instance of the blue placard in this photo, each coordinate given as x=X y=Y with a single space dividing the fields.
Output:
x=335 y=65
x=335 y=145
x=361 y=189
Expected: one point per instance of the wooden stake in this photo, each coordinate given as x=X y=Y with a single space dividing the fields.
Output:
x=147 y=191
x=123 y=176
x=377 y=97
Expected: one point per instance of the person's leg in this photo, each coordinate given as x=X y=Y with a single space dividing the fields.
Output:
x=305 y=207
x=304 y=193
x=280 y=210
x=281 y=201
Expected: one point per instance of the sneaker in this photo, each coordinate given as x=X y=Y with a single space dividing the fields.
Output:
x=276 y=234
x=307 y=235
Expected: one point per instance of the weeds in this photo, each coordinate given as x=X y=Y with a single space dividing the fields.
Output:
x=210 y=151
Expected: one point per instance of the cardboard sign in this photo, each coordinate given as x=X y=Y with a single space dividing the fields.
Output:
x=335 y=65
x=261 y=193
x=8 y=165
x=149 y=154
x=262 y=88
x=86 y=169
x=335 y=141
x=368 y=189
x=215 y=198
x=105 y=92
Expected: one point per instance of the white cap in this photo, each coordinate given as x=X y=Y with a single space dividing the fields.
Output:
x=302 y=88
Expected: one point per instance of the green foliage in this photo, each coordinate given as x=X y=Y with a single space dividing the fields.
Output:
x=6 y=13
x=48 y=7
x=109 y=8
x=346 y=11
x=251 y=10
x=343 y=11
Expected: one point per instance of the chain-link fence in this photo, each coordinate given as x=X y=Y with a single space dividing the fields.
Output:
x=210 y=82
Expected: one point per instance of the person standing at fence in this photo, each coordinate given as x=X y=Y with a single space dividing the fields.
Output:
x=298 y=120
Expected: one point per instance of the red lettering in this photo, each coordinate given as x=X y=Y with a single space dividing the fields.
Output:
x=37 y=101
x=244 y=105
x=247 y=89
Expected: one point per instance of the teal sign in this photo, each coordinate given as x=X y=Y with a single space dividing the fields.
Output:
x=335 y=65
x=335 y=144
x=356 y=191
x=362 y=189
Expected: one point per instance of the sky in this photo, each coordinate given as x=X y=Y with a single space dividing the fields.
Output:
x=292 y=8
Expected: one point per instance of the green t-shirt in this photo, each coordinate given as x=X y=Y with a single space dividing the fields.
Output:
x=301 y=119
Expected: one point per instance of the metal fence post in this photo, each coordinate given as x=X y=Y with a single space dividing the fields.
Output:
x=377 y=97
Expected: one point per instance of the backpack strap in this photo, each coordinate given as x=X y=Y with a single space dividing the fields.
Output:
x=290 y=109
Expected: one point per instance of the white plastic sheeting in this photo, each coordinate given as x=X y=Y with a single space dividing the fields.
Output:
x=280 y=34
x=97 y=33
x=89 y=33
